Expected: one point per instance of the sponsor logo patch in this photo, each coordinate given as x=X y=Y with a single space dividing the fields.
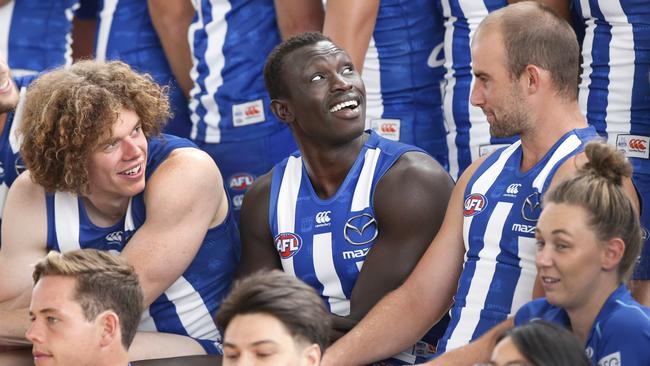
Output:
x=248 y=113
x=524 y=229
x=388 y=128
x=288 y=244
x=114 y=238
x=634 y=146
x=612 y=359
x=532 y=207
x=237 y=201
x=323 y=218
x=241 y=181
x=475 y=203
x=512 y=190
x=360 y=229
x=354 y=254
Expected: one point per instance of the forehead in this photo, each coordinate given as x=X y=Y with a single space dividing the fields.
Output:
x=53 y=292
x=321 y=51
x=245 y=329
x=487 y=47
x=562 y=215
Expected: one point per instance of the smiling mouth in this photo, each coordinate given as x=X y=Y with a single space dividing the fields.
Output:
x=133 y=171
x=350 y=104
x=549 y=280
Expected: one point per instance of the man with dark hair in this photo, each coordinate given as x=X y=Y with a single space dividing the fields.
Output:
x=85 y=309
x=275 y=319
x=351 y=213
x=484 y=253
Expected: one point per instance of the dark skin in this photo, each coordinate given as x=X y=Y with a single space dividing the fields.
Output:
x=409 y=200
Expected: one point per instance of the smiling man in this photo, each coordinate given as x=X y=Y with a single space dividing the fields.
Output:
x=351 y=212
x=101 y=176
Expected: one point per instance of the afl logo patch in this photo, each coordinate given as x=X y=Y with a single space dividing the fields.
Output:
x=288 y=244
x=241 y=181
x=474 y=204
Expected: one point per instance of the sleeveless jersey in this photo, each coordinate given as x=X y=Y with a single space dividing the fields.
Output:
x=501 y=208
x=403 y=71
x=469 y=131
x=619 y=336
x=125 y=32
x=36 y=35
x=187 y=307
x=230 y=41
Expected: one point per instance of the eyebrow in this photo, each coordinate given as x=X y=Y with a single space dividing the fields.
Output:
x=45 y=311
x=257 y=343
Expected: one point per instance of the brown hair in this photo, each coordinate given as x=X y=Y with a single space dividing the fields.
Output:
x=533 y=34
x=597 y=188
x=68 y=111
x=104 y=281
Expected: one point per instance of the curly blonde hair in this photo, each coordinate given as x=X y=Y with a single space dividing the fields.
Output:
x=68 y=112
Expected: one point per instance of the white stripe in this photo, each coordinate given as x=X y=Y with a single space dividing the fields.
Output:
x=327 y=275
x=146 y=322
x=566 y=147
x=480 y=285
x=128 y=220
x=69 y=15
x=524 y=289
x=194 y=74
x=448 y=91
x=372 y=80
x=6 y=12
x=363 y=189
x=3 y=196
x=587 y=46
x=191 y=310
x=66 y=218
x=15 y=141
x=105 y=24
x=287 y=199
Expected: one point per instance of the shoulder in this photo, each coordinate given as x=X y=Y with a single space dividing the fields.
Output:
x=538 y=308
x=417 y=165
x=628 y=316
x=187 y=160
x=25 y=188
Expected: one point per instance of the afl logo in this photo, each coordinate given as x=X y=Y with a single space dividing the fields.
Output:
x=474 y=204
x=287 y=244
x=241 y=181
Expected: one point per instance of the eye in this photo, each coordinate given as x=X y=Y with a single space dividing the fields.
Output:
x=540 y=244
x=561 y=246
x=136 y=131
x=51 y=320
x=348 y=70
x=317 y=77
x=111 y=145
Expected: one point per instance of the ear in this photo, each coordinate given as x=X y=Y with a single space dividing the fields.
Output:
x=532 y=76
x=282 y=110
x=613 y=253
x=311 y=355
x=110 y=328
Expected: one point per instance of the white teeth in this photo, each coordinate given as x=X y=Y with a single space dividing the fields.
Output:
x=549 y=280
x=5 y=84
x=133 y=171
x=349 y=103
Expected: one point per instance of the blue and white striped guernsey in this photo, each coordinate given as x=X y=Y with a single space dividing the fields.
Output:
x=36 y=35
x=230 y=41
x=469 y=132
x=187 y=307
x=501 y=208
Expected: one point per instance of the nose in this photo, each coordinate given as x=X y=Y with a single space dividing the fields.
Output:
x=130 y=149
x=340 y=82
x=33 y=333
x=477 y=96
x=544 y=258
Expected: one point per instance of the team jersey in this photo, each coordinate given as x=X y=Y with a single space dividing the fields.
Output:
x=11 y=164
x=620 y=334
x=469 y=132
x=125 y=32
x=187 y=307
x=36 y=35
x=230 y=41
x=615 y=91
x=403 y=71
x=500 y=212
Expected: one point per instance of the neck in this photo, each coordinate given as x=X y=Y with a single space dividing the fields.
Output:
x=583 y=316
x=327 y=166
x=105 y=211
x=557 y=117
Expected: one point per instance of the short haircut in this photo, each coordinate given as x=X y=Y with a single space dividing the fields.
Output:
x=104 y=281
x=68 y=111
x=294 y=303
x=274 y=66
x=533 y=34
x=547 y=344
x=597 y=187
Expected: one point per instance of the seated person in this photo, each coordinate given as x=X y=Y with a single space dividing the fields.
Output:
x=538 y=343
x=588 y=239
x=351 y=212
x=272 y=318
x=85 y=309
x=101 y=176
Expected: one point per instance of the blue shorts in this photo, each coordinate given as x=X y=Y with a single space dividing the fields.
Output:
x=241 y=162
x=641 y=180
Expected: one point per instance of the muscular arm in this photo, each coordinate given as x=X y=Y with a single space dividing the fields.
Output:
x=171 y=19
x=297 y=16
x=258 y=250
x=24 y=234
x=350 y=25
x=179 y=213
x=409 y=311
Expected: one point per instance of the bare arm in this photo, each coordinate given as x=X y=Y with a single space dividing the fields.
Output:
x=171 y=19
x=179 y=213
x=5 y=2
x=297 y=16
x=561 y=7
x=24 y=234
x=350 y=25
x=258 y=250
x=409 y=311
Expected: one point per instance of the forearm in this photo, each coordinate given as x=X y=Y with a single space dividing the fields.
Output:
x=15 y=323
x=297 y=16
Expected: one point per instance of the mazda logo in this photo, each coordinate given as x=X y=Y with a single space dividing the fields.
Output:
x=356 y=230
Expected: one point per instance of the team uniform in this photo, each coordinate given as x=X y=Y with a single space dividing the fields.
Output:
x=36 y=35
x=125 y=32
x=403 y=71
x=615 y=92
x=620 y=334
x=502 y=205
x=324 y=242
x=188 y=305
x=469 y=131
x=230 y=113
